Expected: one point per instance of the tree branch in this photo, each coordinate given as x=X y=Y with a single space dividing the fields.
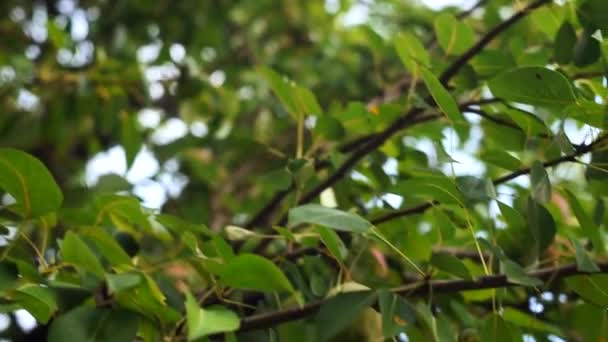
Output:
x=400 y=123
x=453 y=69
x=579 y=151
x=548 y=275
x=360 y=141
x=406 y=121
x=376 y=139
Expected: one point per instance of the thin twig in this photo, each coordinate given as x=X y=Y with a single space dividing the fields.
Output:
x=264 y=320
x=406 y=121
x=419 y=209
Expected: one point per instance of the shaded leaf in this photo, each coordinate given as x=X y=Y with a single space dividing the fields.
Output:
x=496 y=329
x=591 y=230
x=450 y=264
x=91 y=324
x=587 y=49
x=541 y=225
x=564 y=43
x=528 y=321
x=130 y=138
x=339 y=311
x=591 y=288
x=512 y=217
x=396 y=312
x=9 y=276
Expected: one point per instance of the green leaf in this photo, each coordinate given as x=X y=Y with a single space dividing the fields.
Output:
x=529 y=123
x=588 y=112
x=491 y=62
x=454 y=36
x=92 y=324
x=341 y=310
x=124 y=207
x=476 y=189
x=512 y=217
x=514 y=272
x=126 y=242
x=584 y=320
x=180 y=226
x=501 y=159
x=548 y=19
x=529 y=322
x=583 y=261
x=496 y=329
x=396 y=312
x=561 y=139
x=450 y=264
x=39 y=301
x=431 y=187
x=9 y=276
x=297 y=100
x=411 y=52
x=108 y=246
x=130 y=137
x=593 y=14
x=76 y=252
x=276 y=180
x=203 y=322
x=598 y=159
x=250 y=271
x=155 y=291
x=308 y=102
x=121 y=282
x=592 y=288
x=539 y=179
x=536 y=86
x=541 y=225
x=444 y=99
x=28 y=181
x=112 y=183
x=334 y=244
x=564 y=44
x=586 y=50
x=591 y=230
x=283 y=89
x=327 y=217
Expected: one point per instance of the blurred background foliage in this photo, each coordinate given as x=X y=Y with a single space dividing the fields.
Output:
x=172 y=102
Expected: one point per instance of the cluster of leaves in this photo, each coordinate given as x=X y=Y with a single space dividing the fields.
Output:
x=487 y=126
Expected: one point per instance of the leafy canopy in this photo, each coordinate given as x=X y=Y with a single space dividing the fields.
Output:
x=303 y=170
